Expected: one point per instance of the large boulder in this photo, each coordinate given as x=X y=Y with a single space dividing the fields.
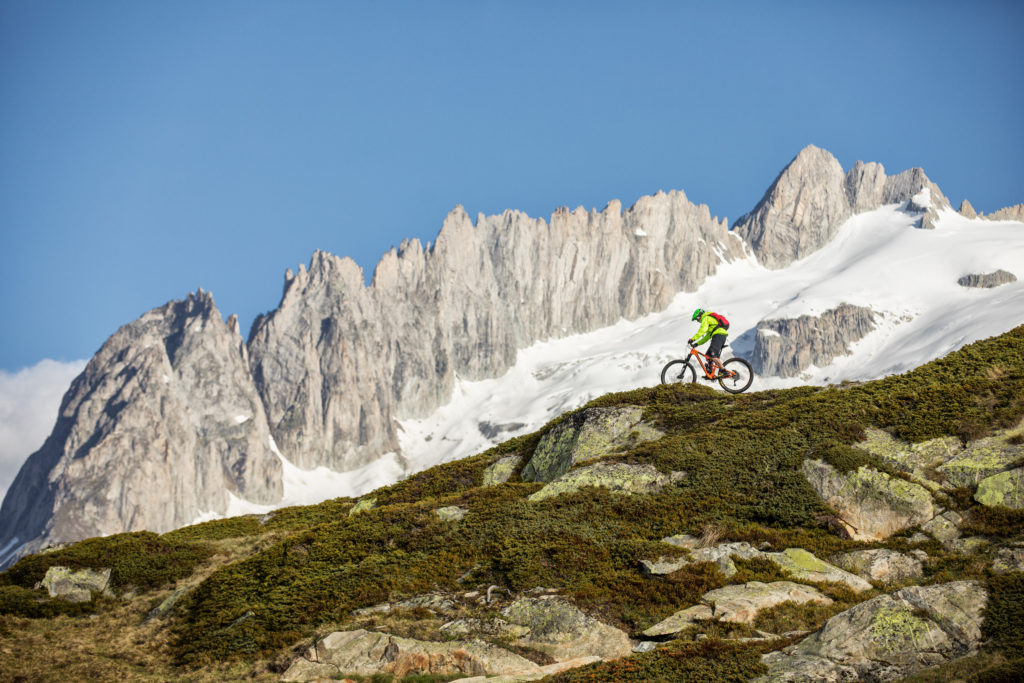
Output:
x=562 y=631
x=872 y=504
x=584 y=436
x=1005 y=489
x=888 y=637
x=501 y=470
x=617 y=477
x=75 y=586
x=882 y=564
x=364 y=653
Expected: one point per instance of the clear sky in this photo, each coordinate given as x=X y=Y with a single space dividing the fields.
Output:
x=151 y=148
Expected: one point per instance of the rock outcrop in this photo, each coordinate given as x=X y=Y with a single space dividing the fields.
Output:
x=365 y=653
x=812 y=197
x=75 y=586
x=585 y=436
x=786 y=347
x=1009 y=213
x=883 y=565
x=888 y=637
x=164 y=424
x=872 y=504
x=617 y=477
x=987 y=280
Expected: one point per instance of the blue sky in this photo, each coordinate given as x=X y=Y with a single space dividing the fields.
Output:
x=151 y=148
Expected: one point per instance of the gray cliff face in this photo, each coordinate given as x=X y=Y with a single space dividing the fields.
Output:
x=987 y=280
x=785 y=347
x=812 y=197
x=160 y=426
x=337 y=362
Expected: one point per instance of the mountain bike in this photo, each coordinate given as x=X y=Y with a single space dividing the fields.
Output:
x=735 y=376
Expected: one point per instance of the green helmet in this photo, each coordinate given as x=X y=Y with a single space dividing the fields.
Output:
x=697 y=314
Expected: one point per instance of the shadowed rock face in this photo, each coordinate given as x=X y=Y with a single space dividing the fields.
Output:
x=161 y=426
x=987 y=280
x=812 y=197
x=785 y=347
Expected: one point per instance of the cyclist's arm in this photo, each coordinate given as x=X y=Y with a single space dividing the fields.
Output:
x=704 y=333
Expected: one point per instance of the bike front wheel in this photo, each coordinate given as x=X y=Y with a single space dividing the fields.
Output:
x=678 y=372
x=736 y=377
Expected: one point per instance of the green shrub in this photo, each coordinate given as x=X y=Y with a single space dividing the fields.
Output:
x=33 y=604
x=140 y=559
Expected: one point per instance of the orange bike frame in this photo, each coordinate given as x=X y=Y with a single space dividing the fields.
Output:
x=699 y=356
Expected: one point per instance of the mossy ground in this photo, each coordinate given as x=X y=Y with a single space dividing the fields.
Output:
x=303 y=570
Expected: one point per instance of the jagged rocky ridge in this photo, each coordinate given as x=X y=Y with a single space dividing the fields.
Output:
x=163 y=424
x=329 y=372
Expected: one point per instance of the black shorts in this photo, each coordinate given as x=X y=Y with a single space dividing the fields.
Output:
x=717 y=342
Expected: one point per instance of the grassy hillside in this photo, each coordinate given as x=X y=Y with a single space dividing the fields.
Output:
x=260 y=586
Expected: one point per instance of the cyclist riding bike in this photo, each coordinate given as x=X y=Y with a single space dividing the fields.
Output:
x=716 y=328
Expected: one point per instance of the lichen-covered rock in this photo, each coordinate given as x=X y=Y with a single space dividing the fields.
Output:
x=75 y=586
x=587 y=435
x=882 y=564
x=451 y=513
x=987 y=280
x=363 y=505
x=916 y=459
x=888 y=637
x=741 y=603
x=502 y=470
x=364 y=653
x=562 y=631
x=616 y=477
x=982 y=459
x=1009 y=559
x=1005 y=489
x=945 y=527
x=802 y=565
x=872 y=504
x=681 y=620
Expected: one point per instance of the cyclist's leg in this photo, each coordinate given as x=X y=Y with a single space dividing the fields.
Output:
x=715 y=351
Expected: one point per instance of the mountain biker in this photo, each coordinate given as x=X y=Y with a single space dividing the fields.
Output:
x=714 y=327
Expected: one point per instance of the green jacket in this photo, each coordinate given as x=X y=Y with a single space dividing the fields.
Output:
x=707 y=329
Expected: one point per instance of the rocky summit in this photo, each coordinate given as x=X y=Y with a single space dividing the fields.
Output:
x=177 y=418
x=869 y=531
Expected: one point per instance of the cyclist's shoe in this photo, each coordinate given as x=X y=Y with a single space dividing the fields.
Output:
x=708 y=378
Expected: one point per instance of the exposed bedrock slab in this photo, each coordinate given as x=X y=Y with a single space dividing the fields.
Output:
x=587 y=435
x=617 y=477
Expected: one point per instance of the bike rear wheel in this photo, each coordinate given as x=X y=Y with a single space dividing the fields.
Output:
x=737 y=375
x=678 y=372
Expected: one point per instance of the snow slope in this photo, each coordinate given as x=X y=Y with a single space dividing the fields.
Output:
x=878 y=259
